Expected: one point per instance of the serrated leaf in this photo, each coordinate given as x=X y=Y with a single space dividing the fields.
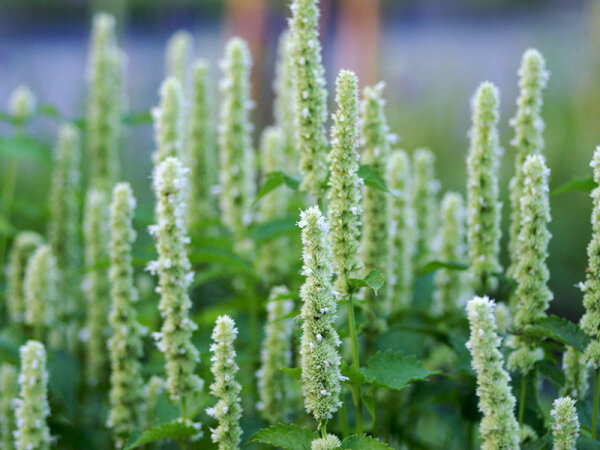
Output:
x=394 y=370
x=353 y=374
x=290 y=437
x=273 y=180
x=173 y=430
x=585 y=443
x=294 y=372
x=21 y=146
x=265 y=231
x=372 y=178
x=363 y=442
x=575 y=184
x=560 y=330
x=374 y=280
x=432 y=266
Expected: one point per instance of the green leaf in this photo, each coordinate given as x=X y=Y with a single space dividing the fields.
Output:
x=353 y=374
x=173 y=430
x=372 y=178
x=585 y=443
x=394 y=370
x=273 y=180
x=544 y=442
x=290 y=437
x=374 y=280
x=561 y=330
x=363 y=442
x=49 y=111
x=575 y=184
x=64 y=374
x=138 y=118
x=433 y=266
x=294 y=372
x=266 y=231
x=21 y=146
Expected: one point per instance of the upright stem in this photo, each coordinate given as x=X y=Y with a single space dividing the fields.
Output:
x=183 y=409
x=595 y=408
x=522 y=399
x=356 y=362
x=344 y=420
x=323 y=427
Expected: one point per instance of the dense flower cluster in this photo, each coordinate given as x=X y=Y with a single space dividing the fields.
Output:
x=565 y=424
x=168 y=121
x=9 y=389
x=178 y=54
x=329 y=442
x=425 y=188
x=576 y=374
x=39 y=284
x=22 y=104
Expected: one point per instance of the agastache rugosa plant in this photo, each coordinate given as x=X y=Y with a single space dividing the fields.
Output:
x=225 y=388
x=576 y=374
x=532 y=295
x=175 y=276
x=22 y=104
x=104 y=108
x=327 y=442
x=40 y=286
x=236 y=174
x=310 y=96
x=178 y=55
x=565 y=424
x=499 y=428
x=168 y=121
x=319 y=355
x=528 y=126
x=125 y=344
x=32 y=405
x=96 y=285
x=451 y=284
x=23 y=247
x=425 y=188
x=483 y=205
x=8 y=393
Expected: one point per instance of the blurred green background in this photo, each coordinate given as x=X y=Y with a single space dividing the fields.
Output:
x=431 y=54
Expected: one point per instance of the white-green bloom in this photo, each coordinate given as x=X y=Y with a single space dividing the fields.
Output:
x=528 y=125
x=450 y=284
x=499 y=428
x=483 y=205
x=275 y=354
x=22 y=104
x=503 y=317
x=311 y=95
x=23 y=247
x=103 y=121
x=565 y=424
x=125 y=344
x=319 y=355
x=40 y=286
x=201 y=152
x=65 y=215
x=227 y=411
x=32 y=405
x=235 y=139
x=96 y=285
x=576 y=374
x=284 y=106
x=178 y=55
x=532 y=296
x=329 y=442
x=270 y=261
x=345 y=209
x=425 y=188
x=402 y=228
x=8 y=394
x=376 y=223
x=175 y=277
x=590 y=322
x=168 y=121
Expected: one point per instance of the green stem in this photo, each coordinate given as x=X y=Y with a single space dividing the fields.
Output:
x=355 y=360
x=323 y=427
x=183 y=409
x=522 y=399
x=595 y=408
x=344 y=420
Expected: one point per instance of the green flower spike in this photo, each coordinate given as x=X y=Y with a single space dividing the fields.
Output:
x=329 y=442
x=319 y=355
x=23 y=247
x=528 y=125
x=345 y=209
x=9 y=389
x=168 y=121
x=576 y=374
x=178 y=55
x=96 y=286
x=531 y=272
x=499 y=428
x=311 y=96
x=235 y=139
x=227 y=411
x=565 y=424
x=103 y=121
x=175 y=277
x=590 y=321
x=125 y=344
x=483 y=205
x=425 y=188
x=451 y=284
x=40 y=284
x=22 y=104
x=276 y=353
x=402 y=228
x=32 y=405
